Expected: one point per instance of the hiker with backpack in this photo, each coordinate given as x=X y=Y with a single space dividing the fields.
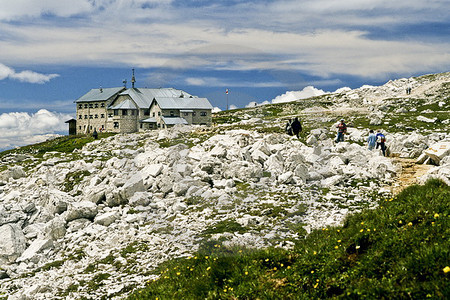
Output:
x=296 y=127
x=342 y=129
x=381 y=140
x=288 y=128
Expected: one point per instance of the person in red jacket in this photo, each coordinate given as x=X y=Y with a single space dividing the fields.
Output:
x=342 y=129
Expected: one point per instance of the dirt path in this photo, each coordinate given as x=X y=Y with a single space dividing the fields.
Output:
x=409 y=174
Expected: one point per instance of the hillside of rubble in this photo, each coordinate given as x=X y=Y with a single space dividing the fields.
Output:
x=85 y=218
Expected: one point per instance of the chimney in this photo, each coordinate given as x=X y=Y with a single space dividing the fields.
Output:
x=101 y=89
x=133 y=80
x=124 y=83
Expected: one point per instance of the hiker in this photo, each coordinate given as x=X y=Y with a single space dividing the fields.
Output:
x=371 y=140
x=381 y=140
x=296 y=127
x=342 y=129
x=95 y=134
x=289 y=127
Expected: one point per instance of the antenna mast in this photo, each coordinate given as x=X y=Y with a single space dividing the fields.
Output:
x=133 y=80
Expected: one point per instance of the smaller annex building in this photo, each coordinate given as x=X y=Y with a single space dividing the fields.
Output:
x=125 y=110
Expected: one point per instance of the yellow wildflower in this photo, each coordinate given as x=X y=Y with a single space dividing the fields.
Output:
x=267 y=259
x=208 y=268
x=206 y=257
x=368 y=229
x=281 y=265
x=361 y=230
x=274 y=268
x=400 y=222
x=446 y=269
x=246 y=273
x=178 y=273
x=357 y=247
x=312 y=272
x=362 y=223
x=316 y=285
x=314 y=252
x=339 y=241
x=336 y=247
x=436 y=215
x=410 y=224
x=288 y=267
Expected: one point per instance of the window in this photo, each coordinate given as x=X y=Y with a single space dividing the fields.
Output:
x=80 y=117
x=193 y=113
x=186 y=114
x=132 y=112
x=80 y=106
x=110 y=115
x=96 y=116
x=172 y=113
x=146 y=112
x=79 y=127
x=91 y=105
x=116 y=112
x=103 y=127
x=203 y=113
x=124 y=112
x=85 y=106
x=91 y=116
x=102 y=116
x=159 y=113
x=85 y=116
x=153 y=114
x=159 y=125
x=116 y=124
x=102 y=105
x=140 y=126
x=96 y=105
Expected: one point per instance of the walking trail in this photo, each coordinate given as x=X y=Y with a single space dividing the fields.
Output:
x=409 y=174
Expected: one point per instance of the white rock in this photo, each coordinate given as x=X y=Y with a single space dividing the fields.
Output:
x=153 y=170
x=35 y=247
x=12 y=244
x=438 y=151
x=133 y=185
x=81 y=210
x=106 y=219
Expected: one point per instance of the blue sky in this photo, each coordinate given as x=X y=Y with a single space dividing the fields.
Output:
x=54 y=51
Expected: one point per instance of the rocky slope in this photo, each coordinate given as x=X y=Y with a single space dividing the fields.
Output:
x=97 y=221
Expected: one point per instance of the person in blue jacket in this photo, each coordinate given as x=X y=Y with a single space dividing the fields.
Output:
x=371 y=140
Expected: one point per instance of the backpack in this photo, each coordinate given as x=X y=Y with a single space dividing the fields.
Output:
x=382 y=138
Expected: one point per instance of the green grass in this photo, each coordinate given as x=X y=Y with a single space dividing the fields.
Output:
x=64 y=144
x=400 y=250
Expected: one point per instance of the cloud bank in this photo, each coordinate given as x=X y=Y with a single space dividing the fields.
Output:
x=371 y=38
x=307 y=92
x=25 y=76
x=20 y=128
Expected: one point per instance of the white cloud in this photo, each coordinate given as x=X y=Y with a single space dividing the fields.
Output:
x=20 y=128
x=25 y=76
x=313 y=37
x=307 y=92
x=216 y=110
x=17 y=9
x=232 y=106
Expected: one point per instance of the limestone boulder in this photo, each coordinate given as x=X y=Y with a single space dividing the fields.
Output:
x=81 y=210
x=438 y=151
x=107 y=218
x=13 y=243
x=35 y=247
x=133 y=185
